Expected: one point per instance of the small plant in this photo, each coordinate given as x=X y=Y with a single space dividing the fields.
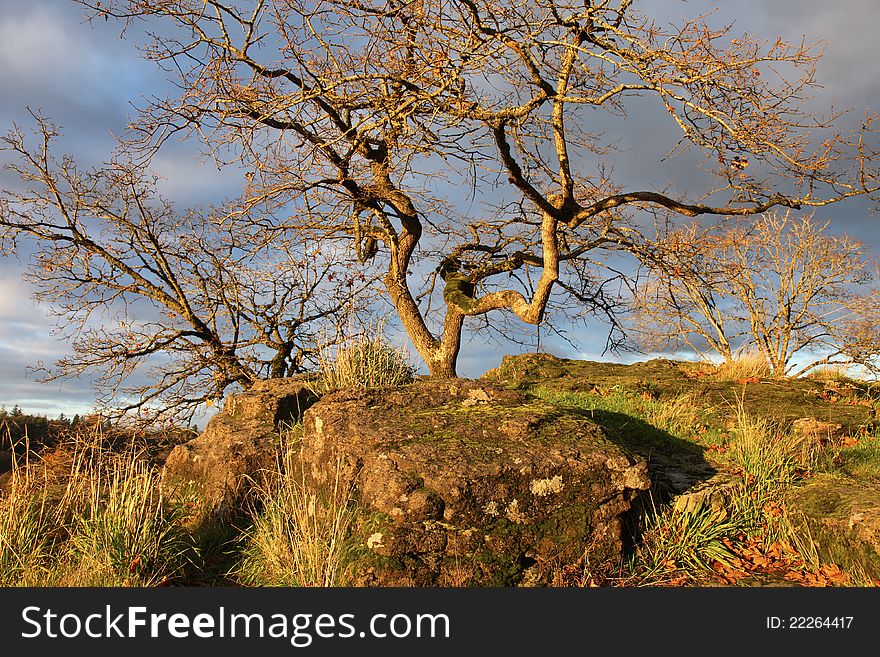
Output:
x=745 y=364
x=297 y=538
x=676 y=541
x=364 y=362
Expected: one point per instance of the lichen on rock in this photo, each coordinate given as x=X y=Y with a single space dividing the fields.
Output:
x=498 y=492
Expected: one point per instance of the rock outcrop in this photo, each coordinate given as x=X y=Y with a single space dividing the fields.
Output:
x=239 y=442
x=463 y=483
x=843 y=518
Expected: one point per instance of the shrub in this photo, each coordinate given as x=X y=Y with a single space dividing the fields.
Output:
x=364 y=362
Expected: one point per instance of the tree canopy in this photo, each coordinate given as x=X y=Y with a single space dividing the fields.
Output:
x=456 y=146
x=781 y=285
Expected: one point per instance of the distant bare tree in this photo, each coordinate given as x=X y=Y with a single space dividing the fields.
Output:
x=168 y=308
x=783 y=285
x=682 y=302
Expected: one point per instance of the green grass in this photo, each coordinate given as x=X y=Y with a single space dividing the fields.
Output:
x=860 y=461
x=642 y=420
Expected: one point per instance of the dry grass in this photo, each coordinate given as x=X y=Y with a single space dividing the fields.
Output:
x=679 y=416
x=88 y=516
x=121 y=530
x=365 y=360
x=830 y=373
x=297 y=538
x=27 y=524
x=746 y=364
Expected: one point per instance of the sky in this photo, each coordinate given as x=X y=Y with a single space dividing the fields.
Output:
x=86 y=79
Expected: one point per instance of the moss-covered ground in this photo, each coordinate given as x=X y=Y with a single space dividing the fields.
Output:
x=792 y=497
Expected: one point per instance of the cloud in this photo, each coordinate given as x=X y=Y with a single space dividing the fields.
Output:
x=25 y=342
x=84 y=78
x=850 y=29
x=79 y=75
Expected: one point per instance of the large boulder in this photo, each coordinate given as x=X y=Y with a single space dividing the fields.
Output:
x=462 y=483
x=239 y=443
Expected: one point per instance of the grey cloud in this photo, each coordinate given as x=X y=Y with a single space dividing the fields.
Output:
x=84 y=78
x=79 y=75
x=18 y=385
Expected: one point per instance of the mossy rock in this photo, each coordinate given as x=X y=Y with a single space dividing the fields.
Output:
x=786 y=400
x=239 y=444
x=468 y=484
x=842 y=516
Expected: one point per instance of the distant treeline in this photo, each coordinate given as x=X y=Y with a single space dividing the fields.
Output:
x=17 y=427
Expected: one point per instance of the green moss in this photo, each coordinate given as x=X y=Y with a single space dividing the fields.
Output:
x=826 y=509
x=459 y=291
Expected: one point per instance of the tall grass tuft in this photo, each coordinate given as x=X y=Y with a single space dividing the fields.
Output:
x=27 y=527
x=833 y=372
x=745 y=364
x=88 y=516
x=679 y=416
x=364 y=362
x=297 y=538
x=123 y=532
x=769 y=460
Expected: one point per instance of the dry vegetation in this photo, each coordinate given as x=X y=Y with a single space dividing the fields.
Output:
x=297 y=538
x=87 y=514
x=363 y=362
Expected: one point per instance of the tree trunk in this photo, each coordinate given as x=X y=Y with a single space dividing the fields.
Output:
x=444 y=357
x=440 y=355
x=444 y=369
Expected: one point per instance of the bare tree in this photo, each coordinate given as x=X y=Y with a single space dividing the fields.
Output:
x=373 y=115
x=682 y=302
x=169 y=308
x=782 y=284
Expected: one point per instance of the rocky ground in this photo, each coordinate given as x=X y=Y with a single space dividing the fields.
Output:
x=542 y=464
x=549 y=471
